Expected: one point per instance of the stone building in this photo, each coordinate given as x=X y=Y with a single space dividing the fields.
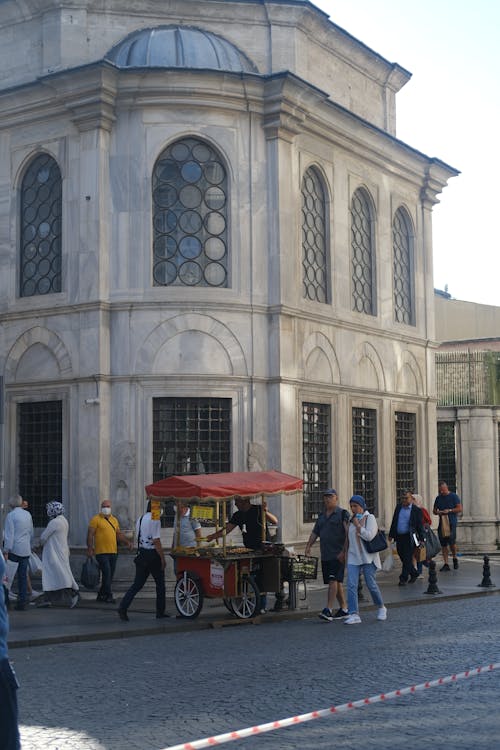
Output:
x=468 y=389
x=215 y=255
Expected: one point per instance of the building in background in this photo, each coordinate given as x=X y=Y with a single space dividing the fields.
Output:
x=215 y=255
x=468 y=428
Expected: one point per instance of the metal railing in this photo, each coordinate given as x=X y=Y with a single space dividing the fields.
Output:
x=468 y=378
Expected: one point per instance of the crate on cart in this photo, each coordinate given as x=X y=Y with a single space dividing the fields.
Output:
x=302 y=568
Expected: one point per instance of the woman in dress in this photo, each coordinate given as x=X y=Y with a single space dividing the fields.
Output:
x=58 y=582
x=363 y=525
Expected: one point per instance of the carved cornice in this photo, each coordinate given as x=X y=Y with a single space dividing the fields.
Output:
x=287 y=103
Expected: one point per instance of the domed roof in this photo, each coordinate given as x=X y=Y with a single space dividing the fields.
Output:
x=179 y=47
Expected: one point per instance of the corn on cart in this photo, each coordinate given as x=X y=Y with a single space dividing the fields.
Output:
x=224 y=571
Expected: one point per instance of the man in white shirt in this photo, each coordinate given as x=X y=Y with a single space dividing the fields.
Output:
x=18 y=536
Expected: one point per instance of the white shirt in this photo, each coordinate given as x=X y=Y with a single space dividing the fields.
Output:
x=188 y=526
x=357 y=553
x=147 y=530
x=18 y=532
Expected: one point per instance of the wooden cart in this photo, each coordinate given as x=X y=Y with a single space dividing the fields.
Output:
x=224 y=571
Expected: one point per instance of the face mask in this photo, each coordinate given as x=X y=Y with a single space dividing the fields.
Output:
x=359 y=515
x=106 y=511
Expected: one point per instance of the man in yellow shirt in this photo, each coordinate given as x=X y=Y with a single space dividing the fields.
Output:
x=102 y=541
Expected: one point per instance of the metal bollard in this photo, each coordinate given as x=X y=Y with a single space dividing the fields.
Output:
x=432 y=587
x=486 y=582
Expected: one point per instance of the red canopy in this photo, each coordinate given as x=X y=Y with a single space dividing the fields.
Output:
x=224 y=486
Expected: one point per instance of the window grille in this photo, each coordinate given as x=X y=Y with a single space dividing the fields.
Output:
x=314 y=258
x=447 y=466
x=40 y=455
x=190 y=214
x=364 y=456
x=402 y=241
x=40 y=218
x=406 y=452
x=316 y=466
x=362 y=255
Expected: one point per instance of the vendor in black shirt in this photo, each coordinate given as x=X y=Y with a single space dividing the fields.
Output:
x=249 y=518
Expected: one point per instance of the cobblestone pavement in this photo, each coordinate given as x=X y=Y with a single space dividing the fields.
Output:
x=151 y=692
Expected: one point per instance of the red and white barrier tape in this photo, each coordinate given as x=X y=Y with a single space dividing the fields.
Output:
x=241 y=734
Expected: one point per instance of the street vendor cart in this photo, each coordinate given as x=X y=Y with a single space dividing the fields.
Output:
x=224 y=571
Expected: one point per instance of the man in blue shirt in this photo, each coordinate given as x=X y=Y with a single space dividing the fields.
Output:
x=9 y=730
x=408 y=531
x=447 y=506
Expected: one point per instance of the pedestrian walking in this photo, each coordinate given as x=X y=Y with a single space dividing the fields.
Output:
x=18 y=536
x=150 y=560
x=362 y=526
x=418 y=560
x=58 y=583
x=102 y=541
x=331 y=529
x=447 y=506
x=407 y=530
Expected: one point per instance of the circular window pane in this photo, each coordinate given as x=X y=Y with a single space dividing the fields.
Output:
x=44 y=267
x=28 y=288
x=167 y=171
x=180 y=152
x=164 y=272
x=29 y=233
x=56 y=207
x=201 y=152
x=44 y=192
x=43 y=174
x=190 y=273
x=56 y=266
x=214 y=172
x=165 y=247
x=191 y=171
x=215 y=223
x=43 y=211
x=29 y=270
x=215 y=274
x=190 y=196
x=29 y=196
x=29 y=214
x=56 y=227
x=44 y=248
x=165 y=196
x=44 y=229
x=215 y=197
x=44 y=286
x=190 y=222
x=215 y=249
x=165 y=221
x=30 y=251
x=190 y=247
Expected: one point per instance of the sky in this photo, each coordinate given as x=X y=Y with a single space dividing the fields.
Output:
x=449 y=109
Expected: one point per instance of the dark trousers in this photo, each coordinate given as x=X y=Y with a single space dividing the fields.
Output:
x=107 y=565
x=9 y=729
x=404 y=547
x=147 y=563
x=22 y=577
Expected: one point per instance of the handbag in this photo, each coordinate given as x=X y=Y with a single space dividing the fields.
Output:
x=444 y=526
x=10 y=572
x=432 y=543
x=35 y=564
x=377 y=544
x=89 y=576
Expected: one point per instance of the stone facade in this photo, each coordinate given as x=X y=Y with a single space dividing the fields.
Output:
x=314 y=101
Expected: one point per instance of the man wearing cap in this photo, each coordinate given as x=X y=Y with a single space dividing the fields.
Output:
x=408 y=531
x=331 y=527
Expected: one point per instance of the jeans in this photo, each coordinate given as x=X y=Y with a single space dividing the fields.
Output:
x=9 y=729
x=149 y=562
x=369 y=570
x=107 y=565
x=22 y=577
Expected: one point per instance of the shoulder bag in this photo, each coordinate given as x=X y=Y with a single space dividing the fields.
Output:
x=377 y=544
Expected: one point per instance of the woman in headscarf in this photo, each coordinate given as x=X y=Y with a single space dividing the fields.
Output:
x=363 y=525
x=58 y=582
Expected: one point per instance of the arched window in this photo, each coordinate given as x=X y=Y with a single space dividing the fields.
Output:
x=402 y=263
x=40 y=214
x=190 y=216
x=314 y=253
x=362 y=254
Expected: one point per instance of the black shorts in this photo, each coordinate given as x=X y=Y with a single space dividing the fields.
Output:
x=446 y=540
x=333 y=570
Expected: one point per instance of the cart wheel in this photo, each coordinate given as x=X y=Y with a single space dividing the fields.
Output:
x=188 y=596
x=228 y=603
x=245 y=606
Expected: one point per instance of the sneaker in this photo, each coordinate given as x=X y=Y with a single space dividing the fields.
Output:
x=455 y=563
x=263 y=611
x=352 y=620
x=340 y=614
x=445 y=567
x=326 y=614
x=382 y=613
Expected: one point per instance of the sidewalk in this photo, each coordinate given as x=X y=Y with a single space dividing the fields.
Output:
x=92 y=620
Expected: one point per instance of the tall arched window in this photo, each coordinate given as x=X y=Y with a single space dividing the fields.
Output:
x=190 y=216
x=314 y=252
x=362 y=254
x=403 y=272
x=40 y=215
